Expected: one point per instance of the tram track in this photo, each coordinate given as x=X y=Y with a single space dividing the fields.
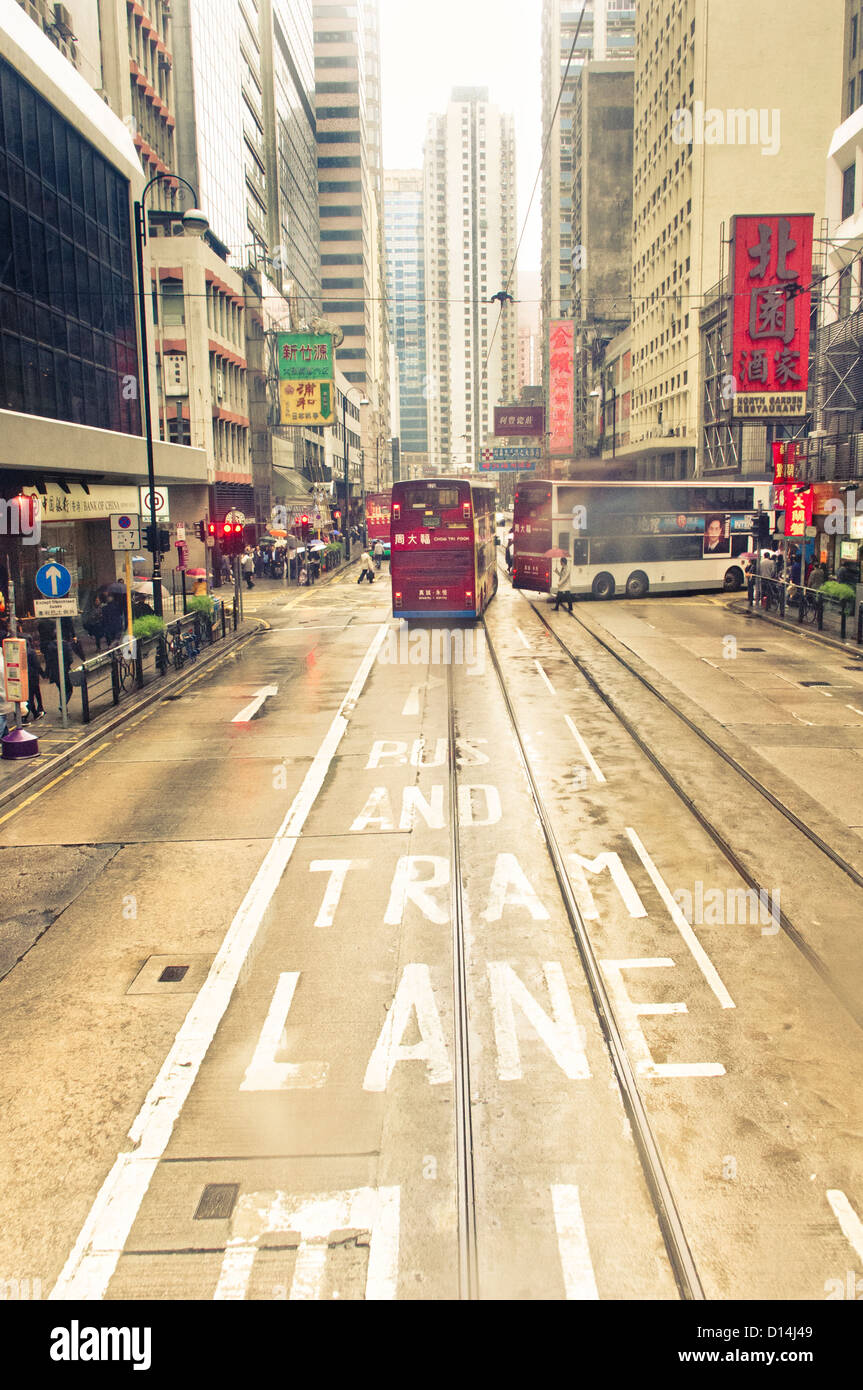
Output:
x=788 y=926
x=662 y=1196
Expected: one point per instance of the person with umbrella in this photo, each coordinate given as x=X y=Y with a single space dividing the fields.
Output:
x=114 y=613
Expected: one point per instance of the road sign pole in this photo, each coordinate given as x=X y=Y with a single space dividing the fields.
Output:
x=129 y=593
x=61 y=672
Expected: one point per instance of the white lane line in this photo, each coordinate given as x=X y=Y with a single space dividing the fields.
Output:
x=544 y=676
x=247 y=715
x=585 y=751
x=825 y=693
x=855 y=709
x=702 y=959
x=710 y=663
x=852 y=1226
x=93 y=1259
x=523 y=638
x=800 y=720
x=578 y=1276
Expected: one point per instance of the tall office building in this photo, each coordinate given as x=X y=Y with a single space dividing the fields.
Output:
x=718 y=132
x=350 y=185
x=606 y=33
x=470 y=225
x=403 y=216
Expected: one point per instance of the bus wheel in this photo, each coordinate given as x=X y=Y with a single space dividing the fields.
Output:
x=733 y=579
x=603 y=586
x=637 y=585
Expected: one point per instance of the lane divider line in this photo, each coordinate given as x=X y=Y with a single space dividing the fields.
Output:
x=579 y=1279
x=544 y=677
x=585 y=751
x=93 y=1260
x=852 y=1226
x=524 y=640
x=702 y=959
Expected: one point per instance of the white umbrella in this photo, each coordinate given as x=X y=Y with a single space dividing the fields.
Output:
x=317 y=545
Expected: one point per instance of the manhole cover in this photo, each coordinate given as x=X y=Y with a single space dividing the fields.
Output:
x=217 y=1201
x=172 y=974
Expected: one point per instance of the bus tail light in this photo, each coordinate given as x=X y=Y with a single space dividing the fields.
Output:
x=397 y=511
x=468 y=598
x=397 y=600
x=465 y=511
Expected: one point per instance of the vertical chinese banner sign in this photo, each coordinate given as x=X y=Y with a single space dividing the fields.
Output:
x=561 y=387
x=306 y=379
x=771 y=278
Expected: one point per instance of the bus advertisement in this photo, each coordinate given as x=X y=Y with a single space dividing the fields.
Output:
x=443 y=548
x=634 y=538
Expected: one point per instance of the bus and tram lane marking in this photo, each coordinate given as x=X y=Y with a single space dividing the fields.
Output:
x=93 y=1259
x=544 y=677
x=578 y=1274
x=849 y=1221
x=524 y=640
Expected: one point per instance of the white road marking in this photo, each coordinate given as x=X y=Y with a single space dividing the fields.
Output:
x=93 y=1259
x=578 y=1276
x=509 y=875
x=855 y=709
x=406 y=885
x=710 y=663
x=264 y=1073
x=808 y=722
x=315 y=1218
x=852 y=1226
x=702 y=959
x=620 y=877
x=524 y=640
x=247 y=714
x=337 y=869
x=825 y=693
x=585 y=751
x=560 y=1033
x=629 y=1011
x=544 y=676
x=414 y=998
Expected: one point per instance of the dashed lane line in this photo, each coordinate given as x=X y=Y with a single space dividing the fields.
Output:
x=544 y=677
x=585 y=751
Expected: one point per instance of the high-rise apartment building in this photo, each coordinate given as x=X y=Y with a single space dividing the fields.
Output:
x=405 y=242
x=718 y=132
x=470 y=224
x=350 y=186
x=606 y=31
x=529 y=346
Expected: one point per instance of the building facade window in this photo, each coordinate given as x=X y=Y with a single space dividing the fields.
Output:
x=68 y=348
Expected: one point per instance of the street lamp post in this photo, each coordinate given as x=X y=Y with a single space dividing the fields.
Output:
x=194 y=222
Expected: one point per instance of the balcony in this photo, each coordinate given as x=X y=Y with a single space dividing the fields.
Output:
x=831 y=458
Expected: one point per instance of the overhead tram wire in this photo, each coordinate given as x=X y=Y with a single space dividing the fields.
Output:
x=535 y=184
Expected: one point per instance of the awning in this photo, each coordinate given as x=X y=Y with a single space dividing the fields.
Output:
x=291 y=485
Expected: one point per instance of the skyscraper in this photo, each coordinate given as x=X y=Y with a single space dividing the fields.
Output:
x=403 y=217
x=350 y=186
x=470 y=223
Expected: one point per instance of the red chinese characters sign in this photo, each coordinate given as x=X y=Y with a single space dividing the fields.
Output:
x=798 y=511
x=784 y=462
x=561 y=386
x=771 y=277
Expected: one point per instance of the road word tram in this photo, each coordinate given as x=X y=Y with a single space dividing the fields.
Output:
x=378 y=507
x=634 y=538
x=442 y=548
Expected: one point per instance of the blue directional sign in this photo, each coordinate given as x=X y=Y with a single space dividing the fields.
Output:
x=53 y=580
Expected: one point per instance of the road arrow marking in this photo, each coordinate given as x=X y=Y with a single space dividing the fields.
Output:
x=246 y=715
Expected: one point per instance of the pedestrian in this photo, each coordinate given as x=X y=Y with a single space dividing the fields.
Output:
x=768 y=566
x=113 y=621
x=314 y=567
x=53 y=665
x=34 y=675
x=796 y=568
x=379 y=553
x=92 y=617
x=564 y=580
x=227 y=576
x=247 y=564
x=367 y=569
x=817 y=576
x=304 y=575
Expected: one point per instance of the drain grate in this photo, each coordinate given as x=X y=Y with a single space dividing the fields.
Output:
x=172 y=974
x=217 y=1201
x=752 y=649
x=814 y=682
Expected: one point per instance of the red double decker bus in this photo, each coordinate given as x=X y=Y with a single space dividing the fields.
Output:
x=442 y=548
x=378 y=506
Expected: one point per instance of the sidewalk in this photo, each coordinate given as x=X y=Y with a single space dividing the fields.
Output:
x=830 y=636
x=61 y=749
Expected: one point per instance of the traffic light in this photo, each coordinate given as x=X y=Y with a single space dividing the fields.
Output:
x=201 y=530
x=762 y=529
x=158 y=538
x=231 y=537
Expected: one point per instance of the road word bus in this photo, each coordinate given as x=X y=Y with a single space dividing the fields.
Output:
x=378 y=506
x=634 y=538
x=442 y=548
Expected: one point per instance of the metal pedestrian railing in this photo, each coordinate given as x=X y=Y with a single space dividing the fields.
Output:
x=805 y=606
x=112 y=676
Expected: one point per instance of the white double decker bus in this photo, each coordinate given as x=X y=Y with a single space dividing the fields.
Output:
x=634 y=538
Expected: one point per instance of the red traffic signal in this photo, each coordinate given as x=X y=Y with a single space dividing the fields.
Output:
x=304 y=521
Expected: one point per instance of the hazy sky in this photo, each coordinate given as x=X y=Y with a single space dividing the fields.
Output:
x=430 y=46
